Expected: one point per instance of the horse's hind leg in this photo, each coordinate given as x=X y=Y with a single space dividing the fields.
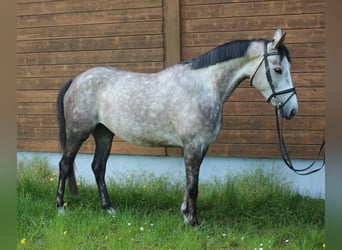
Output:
x=66 y=169
x=103 y=139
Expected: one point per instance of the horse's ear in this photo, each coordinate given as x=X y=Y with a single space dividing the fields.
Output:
x=278 y=38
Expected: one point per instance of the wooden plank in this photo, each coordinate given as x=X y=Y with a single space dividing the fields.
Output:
x=172 y=32
x=48 y=7
x=174 y=151
x=236 y=122
x=32 y=108
x=87 y=44
x=91 y=17
x=47 y=71
x=300 y=79
x=225 y=136
x=269 y=137
x=303 y=65
x=127 y=148
x=71 y=70
x=34 y=133
x=38 y=145
x=94 y=57
x=252 y=94
x=90 y=30
x=43 y=96
x=87 y=147
x=305 y=123
x=308 y=79
x=35 y=121
x=262 y=151
x=265 y=109
x=253 y=9
x=33 y=1
x=311 y=94
x=43 y=130
x=43 y=83
x=254 y=23
x=254 y=150
x=215 y=149
x=306 y=50
x=247 y=122
x=212 y=39
x=203 y=2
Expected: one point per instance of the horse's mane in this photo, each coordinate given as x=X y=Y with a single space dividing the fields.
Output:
x=229 y=51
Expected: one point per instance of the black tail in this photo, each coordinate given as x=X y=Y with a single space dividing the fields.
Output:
x=60 y=112
x=62 y=132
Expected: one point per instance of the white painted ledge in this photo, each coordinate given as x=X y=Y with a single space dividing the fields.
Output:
x=120 y=167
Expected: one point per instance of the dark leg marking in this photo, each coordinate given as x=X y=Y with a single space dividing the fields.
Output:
x=193 y=156
x=103 y=139
x=66 y=169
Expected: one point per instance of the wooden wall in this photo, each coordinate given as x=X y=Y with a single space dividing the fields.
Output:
x=58 y=39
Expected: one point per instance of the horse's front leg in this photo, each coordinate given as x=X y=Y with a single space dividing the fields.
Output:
x=193 y=156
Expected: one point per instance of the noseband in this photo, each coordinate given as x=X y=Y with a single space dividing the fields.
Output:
x=270 y=81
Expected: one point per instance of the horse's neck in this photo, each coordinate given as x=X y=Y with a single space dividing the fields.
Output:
x=227 y=76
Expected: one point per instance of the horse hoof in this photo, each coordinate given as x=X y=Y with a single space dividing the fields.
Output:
x=192 y=222
x=186 y=220
x=61 y=211
x=111 y=211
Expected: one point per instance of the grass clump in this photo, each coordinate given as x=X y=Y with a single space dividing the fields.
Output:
x=250 y=211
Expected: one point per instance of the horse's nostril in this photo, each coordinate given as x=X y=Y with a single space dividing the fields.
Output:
x=293 y=113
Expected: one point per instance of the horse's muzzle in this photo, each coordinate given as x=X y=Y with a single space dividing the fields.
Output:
x=289 y=113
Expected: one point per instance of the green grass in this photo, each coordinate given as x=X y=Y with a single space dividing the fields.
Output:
x=246 y=212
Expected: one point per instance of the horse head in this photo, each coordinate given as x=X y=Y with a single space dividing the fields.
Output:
x=274 y=79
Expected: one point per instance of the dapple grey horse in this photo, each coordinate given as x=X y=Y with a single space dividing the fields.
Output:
x=179 y=106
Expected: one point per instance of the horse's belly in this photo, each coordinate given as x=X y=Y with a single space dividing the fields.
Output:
x=151 y=133
x=149 y=138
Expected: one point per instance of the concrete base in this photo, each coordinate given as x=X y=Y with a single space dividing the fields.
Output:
x=120 y=167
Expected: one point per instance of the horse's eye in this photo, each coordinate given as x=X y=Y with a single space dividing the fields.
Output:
x=278 y=70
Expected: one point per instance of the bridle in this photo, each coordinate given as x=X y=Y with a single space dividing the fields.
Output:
x=269 y=78
x=278 y=109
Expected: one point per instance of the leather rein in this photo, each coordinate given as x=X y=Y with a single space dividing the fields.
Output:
x=278 y=109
